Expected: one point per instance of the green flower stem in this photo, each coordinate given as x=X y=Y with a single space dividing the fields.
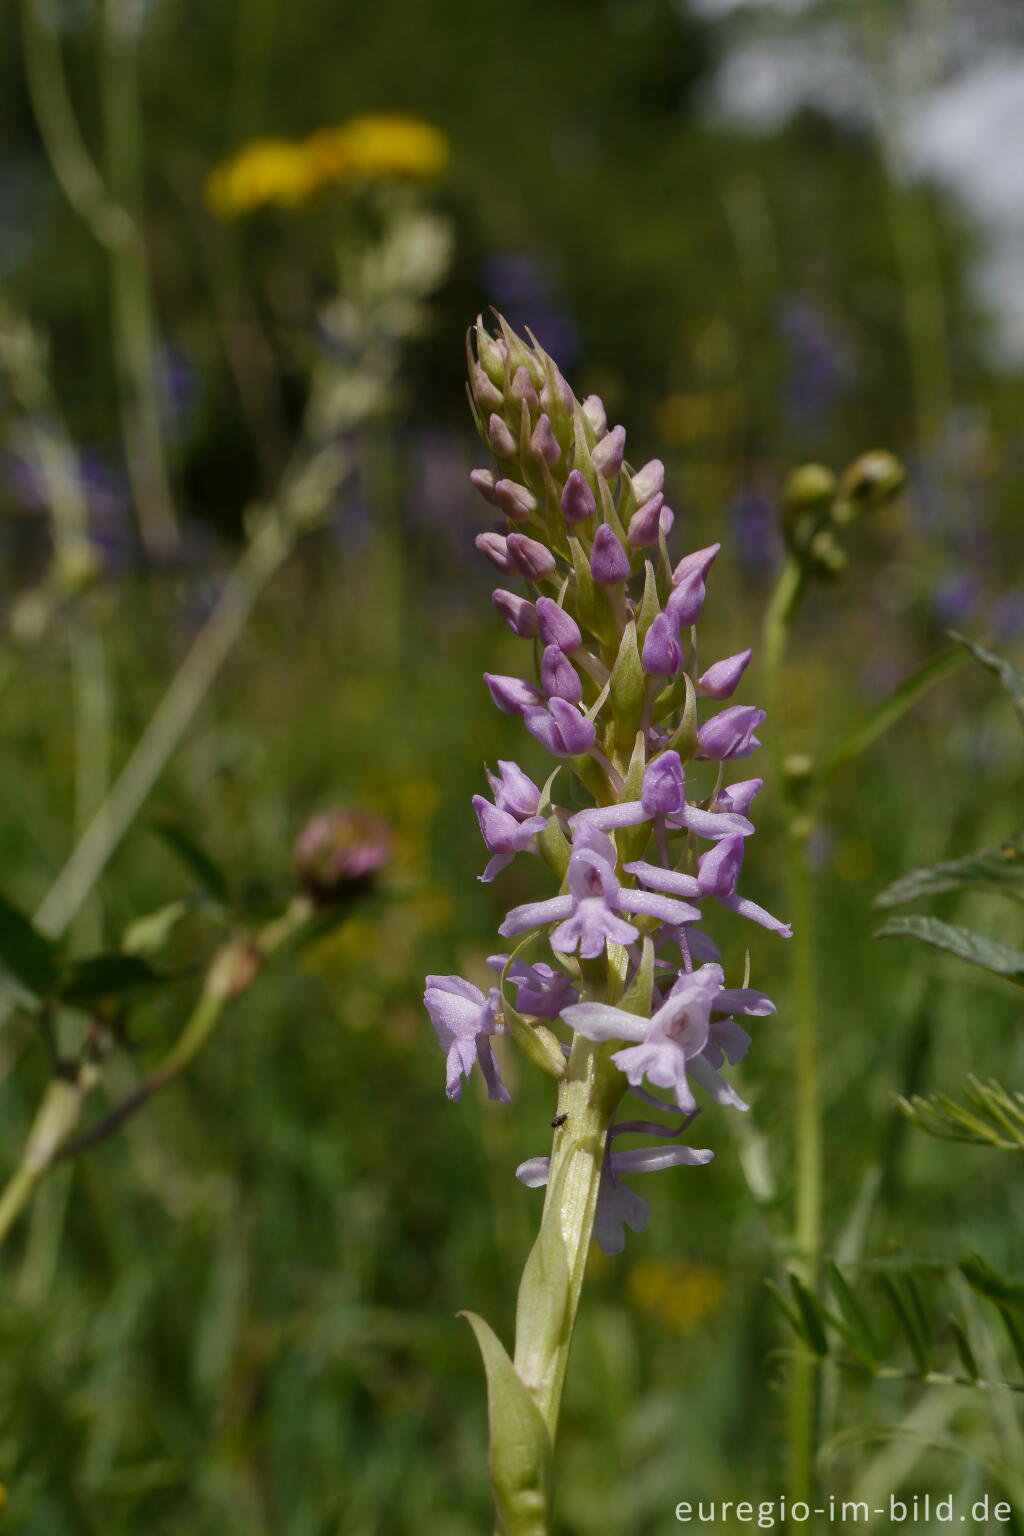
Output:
x=55 y=1119
x=546 y=1318
x=803 y=1399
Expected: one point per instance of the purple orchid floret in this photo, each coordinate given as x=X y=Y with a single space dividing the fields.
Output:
x=541 y=990
x=721 y=680
x=737 y=797
x=588 y=914
x=669 y=1045
x=686 y=599
x=544 y=443
x=662 y=655
x=648 y=481
x=513 y=790
x=559 y=677
x=519 y=614
x=618 y=1206
x=717 y=873
x=465 y=1019
x=495 y=547
x=529 y=557
x=512 y=695
x=577 y=502
x=645 y=524
x=504 y=835
x=606 y=456
x=663 y=796
x=609 y=563
x=556 y=627
x=517 y=503
x=730 y=733
x=560 y=728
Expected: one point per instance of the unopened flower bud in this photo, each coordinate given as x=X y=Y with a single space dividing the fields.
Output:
x=483 y=481
x=517 y=503
x=594 y=411
x=490 y=351
x=608 y=453
x=559 y=677
x=730 y=733
x=577 y=499
x=511 y=694
x=869 y=481
x=495 y=547
x=519 y=614
x=556 y=626
x=807 y=498
x=827 y=556
x=530 y=558
x=487 y=395
x=499 y=435
x=338 y=852
x=645 y=524
x=721 y=680
x=522 y=388
x=560 y=728
x=648 y=481
x=609 y=563
x=688 y=592
x=544 y=443
x=662 y=655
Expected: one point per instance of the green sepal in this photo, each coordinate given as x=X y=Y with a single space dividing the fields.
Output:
x=631 y=841
x=589 y=614
x=637 y=998
x=538 y=1044
x=581 y=451
x=554 y=847
x=628 y=689
x=649 y=607
x=519 y=355
x=609 y=514
x=520 y=1457
x=590 y=776
x=684 y=738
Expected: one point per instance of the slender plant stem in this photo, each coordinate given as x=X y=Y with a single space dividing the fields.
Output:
x=803 y=1396
x=55 y=1119
x=263 y=555
x=547 y=1311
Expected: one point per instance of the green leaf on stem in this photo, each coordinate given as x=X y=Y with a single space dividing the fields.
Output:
x=25 y=953
x=107 y=978
x=888 y=712
x=205 y=870
x=996 y=870
x=520 y=1458
x=989 y=954
x=1006 y=672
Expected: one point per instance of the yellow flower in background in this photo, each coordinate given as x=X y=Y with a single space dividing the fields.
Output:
x=275 y=171
x=286 y=172
x=378 y=147
x=680 y=1296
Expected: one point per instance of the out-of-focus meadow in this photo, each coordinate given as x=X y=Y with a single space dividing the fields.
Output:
x=239 y=248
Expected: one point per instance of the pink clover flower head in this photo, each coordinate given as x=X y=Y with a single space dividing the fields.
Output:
x=465 y=1019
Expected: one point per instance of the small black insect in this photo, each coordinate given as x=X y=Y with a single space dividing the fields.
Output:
x=558 y=1120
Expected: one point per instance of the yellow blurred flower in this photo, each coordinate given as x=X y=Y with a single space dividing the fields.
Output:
x=277 y=171
x=680 y=1296
x=377 y=147
x=287 y=172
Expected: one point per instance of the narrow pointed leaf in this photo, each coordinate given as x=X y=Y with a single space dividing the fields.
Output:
x=908 y=1322
x=853 y=1314
x=520 y=1457
x=888 y=712
x=996 y=870
x=963 y=1348
x=1006 y=672
x=811 y=1316
x=998 y=959
x=204 y=869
